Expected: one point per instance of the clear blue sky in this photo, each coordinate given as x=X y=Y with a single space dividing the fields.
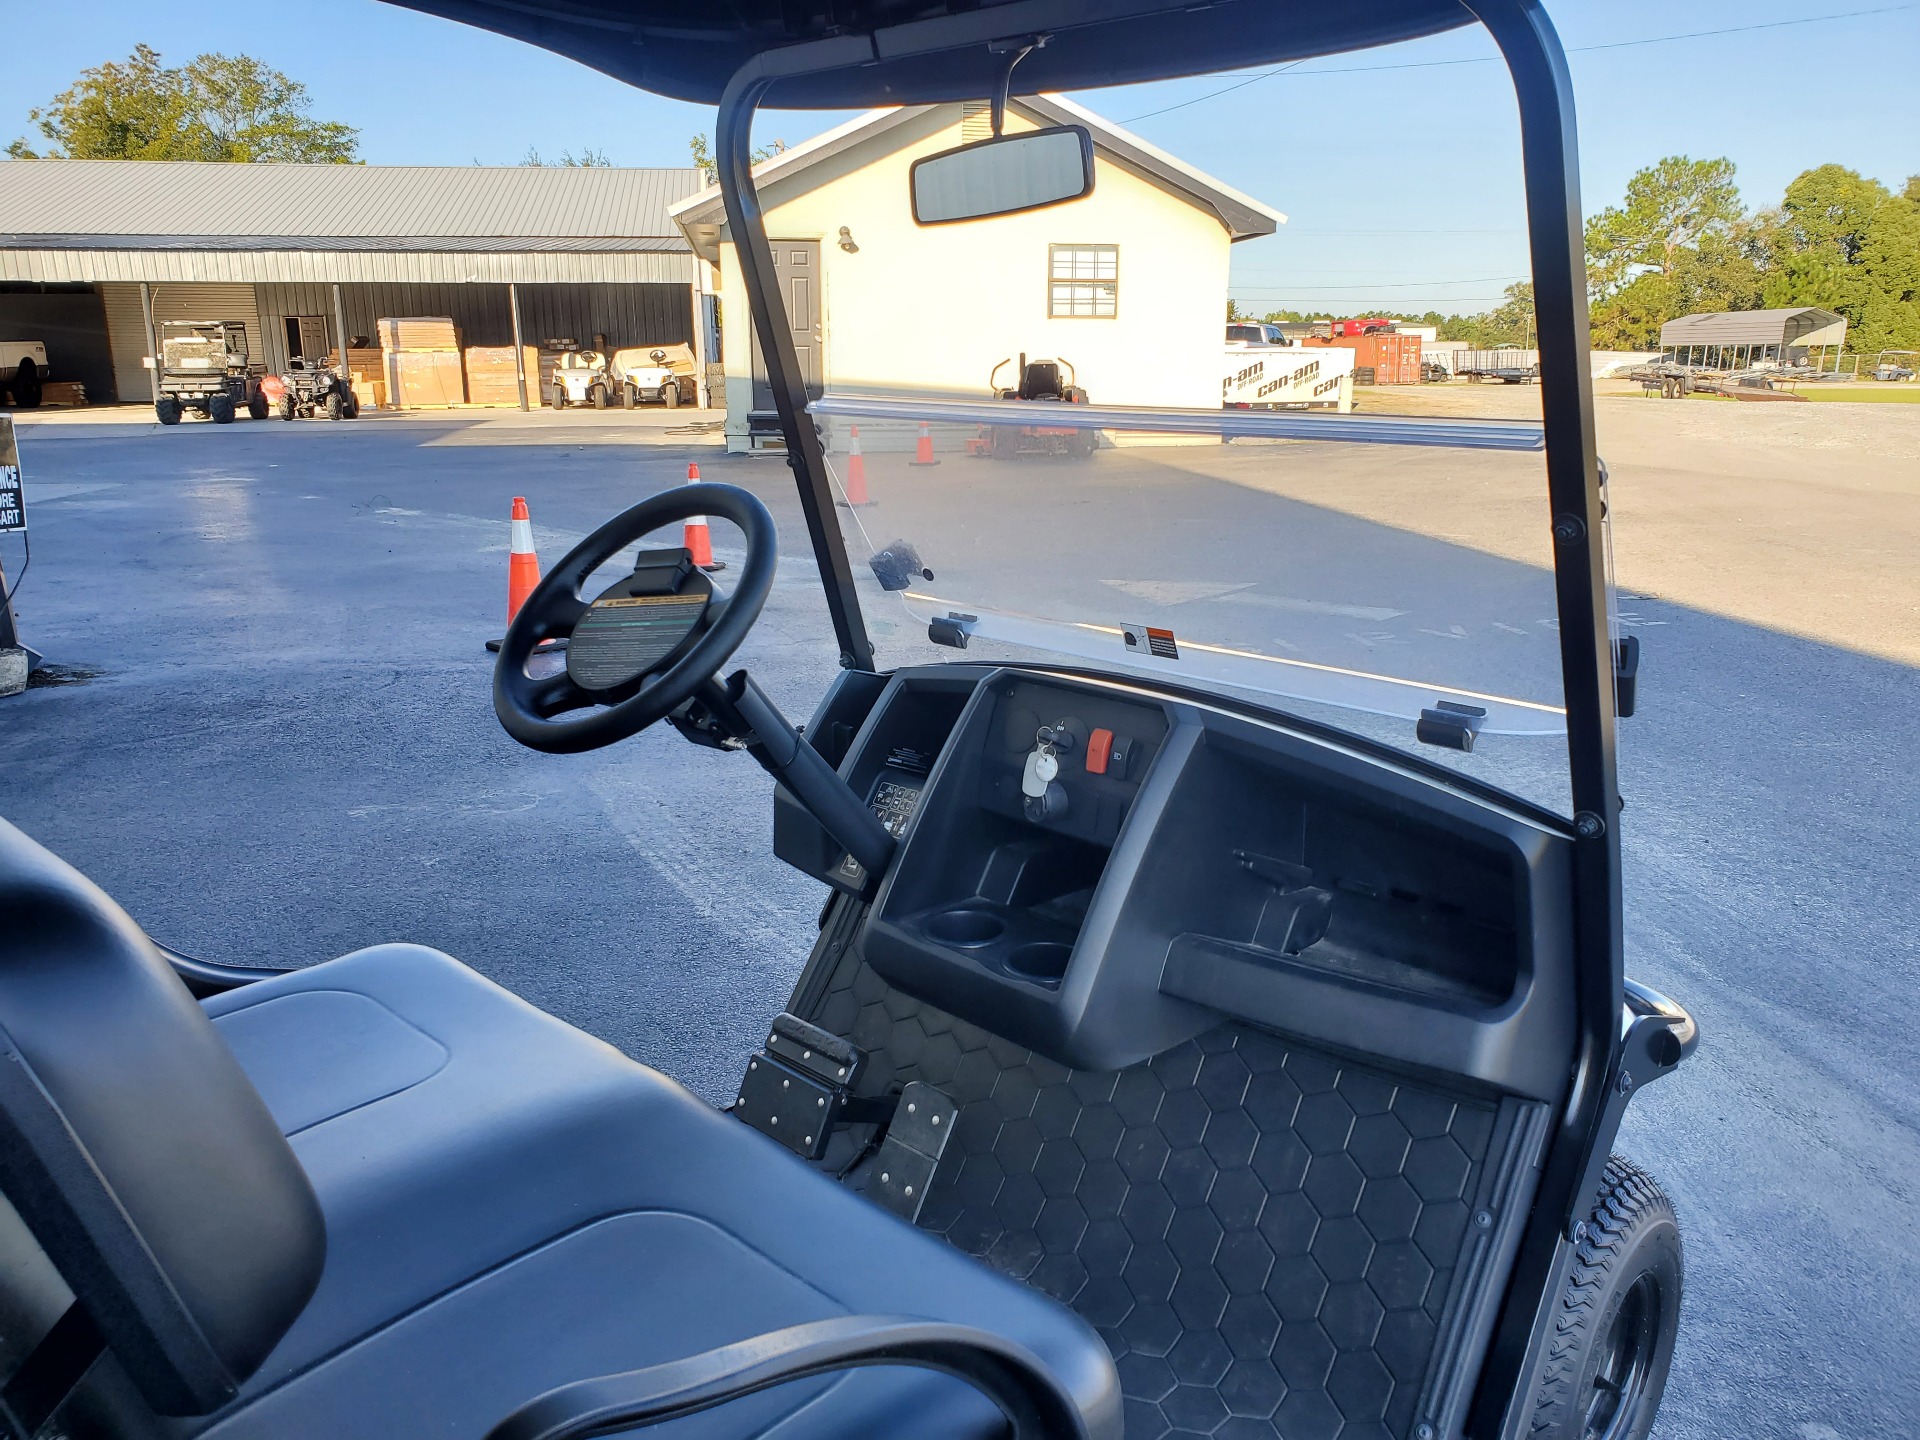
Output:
x=1402 y=184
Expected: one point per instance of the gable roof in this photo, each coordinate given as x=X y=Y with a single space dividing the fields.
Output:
x=1243 y=217
x=146 y=204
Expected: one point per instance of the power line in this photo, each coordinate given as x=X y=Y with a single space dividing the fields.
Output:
x=1490 y=59
x=1391 y=285
x=1266 y=75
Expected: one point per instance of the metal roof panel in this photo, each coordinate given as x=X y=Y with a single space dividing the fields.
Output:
x=104 y=198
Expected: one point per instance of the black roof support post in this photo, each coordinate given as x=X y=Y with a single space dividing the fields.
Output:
x=805 y=455
x=1577 y=1148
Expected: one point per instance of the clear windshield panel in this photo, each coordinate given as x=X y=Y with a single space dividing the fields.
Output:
x=1102 y=453
x=1389 y=576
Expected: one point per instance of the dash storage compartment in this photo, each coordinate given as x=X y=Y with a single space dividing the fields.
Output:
x=987 y=903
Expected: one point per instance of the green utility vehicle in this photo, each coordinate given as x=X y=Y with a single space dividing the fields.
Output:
x=204 y=365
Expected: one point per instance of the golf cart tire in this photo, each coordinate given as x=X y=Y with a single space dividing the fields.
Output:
x=598 y=394
x=336 y=407
x=167 y=410
x=627 y=397
x=220 y=409
x=1629 y=1261
x=26 y=386
x=670 y=395
x=559 y=397
x=257 y=406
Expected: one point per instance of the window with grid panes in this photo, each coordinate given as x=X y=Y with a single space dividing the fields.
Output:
x=1083 y=281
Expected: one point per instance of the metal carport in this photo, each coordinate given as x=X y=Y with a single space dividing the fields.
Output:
x=1737 y=339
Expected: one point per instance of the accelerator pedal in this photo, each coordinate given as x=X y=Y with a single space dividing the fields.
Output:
x=902 y=1173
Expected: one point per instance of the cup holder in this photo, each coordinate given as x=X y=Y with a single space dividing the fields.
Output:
x=1040 y=960
x=965 y=927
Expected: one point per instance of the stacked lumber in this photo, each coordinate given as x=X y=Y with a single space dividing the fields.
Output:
x=367 y=374
x=418 y=332
x=66 y=394
x=422 y=361
x=492 y=380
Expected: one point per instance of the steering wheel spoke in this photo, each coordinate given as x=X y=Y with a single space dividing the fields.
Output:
x=535 y=710
x=556 y=695
x=558 y=620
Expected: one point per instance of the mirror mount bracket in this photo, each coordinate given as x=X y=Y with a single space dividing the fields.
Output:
x=1016 y=50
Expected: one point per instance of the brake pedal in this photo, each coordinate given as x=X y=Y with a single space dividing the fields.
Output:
x=800 y=1085
x=902 y=1173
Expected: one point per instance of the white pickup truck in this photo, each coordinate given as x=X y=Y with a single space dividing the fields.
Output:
x=23 y=366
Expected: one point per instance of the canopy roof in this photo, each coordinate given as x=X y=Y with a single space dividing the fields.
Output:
x=1802 y=325
x=690 y=51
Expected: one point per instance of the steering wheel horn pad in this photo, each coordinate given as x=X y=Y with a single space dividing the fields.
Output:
x=676 y=655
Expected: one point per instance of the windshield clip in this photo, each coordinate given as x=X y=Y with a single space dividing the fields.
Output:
x=951 y=629
x=1626 y=675
x=1450 y=724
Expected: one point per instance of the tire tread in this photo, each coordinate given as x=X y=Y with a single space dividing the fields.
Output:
x=1629 y=1198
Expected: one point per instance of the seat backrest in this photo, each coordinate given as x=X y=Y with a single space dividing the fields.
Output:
x=134 y=1148
x=1041 y=380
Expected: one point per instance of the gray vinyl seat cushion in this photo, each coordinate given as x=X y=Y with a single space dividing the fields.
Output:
x=511 y=1205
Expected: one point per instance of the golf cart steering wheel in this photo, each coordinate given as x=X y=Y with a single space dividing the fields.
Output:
x=642 y=647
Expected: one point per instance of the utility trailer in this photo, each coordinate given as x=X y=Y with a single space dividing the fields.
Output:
x=1507 y=365
x=205 y=365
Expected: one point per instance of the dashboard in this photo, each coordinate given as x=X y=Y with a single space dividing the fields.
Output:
x=1099 y=871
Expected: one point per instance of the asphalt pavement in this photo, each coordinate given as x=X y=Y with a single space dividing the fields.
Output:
x=274 y=744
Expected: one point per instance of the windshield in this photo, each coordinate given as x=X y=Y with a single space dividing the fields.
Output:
x=1092 y=467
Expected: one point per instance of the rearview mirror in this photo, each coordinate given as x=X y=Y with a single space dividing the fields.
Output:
x=1004 y=175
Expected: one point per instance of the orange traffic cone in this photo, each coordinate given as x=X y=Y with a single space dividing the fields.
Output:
x=856 y=472
x=923 y=450
x=523 y=567
x=698 y=542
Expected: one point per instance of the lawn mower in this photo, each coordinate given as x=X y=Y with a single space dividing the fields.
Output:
x=1039 y=381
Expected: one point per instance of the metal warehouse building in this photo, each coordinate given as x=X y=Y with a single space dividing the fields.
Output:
x=94 y=253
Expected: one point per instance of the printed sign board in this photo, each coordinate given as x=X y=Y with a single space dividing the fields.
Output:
x=13 y=502
x=1273 y=377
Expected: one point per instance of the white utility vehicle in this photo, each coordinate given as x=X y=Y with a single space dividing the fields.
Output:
x=23 y=366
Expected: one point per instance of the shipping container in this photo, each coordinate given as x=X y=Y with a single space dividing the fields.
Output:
x=1394 y=359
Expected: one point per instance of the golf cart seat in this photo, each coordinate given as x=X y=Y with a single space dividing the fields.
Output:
x=383 y=1196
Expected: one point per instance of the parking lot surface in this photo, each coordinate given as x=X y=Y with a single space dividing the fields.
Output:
x=274 y=743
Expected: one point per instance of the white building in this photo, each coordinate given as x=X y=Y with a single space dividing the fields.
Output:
x=1128 y=283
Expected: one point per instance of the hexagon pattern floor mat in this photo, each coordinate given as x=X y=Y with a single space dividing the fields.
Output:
x=1266 y=1237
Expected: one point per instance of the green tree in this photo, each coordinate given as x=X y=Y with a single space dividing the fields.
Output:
x=219 y=107
x=702 y=150
x=1669 y=208
x=1848 y=244
x=587 y=159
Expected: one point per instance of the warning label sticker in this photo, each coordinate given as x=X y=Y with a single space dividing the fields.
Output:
x=1151 y=640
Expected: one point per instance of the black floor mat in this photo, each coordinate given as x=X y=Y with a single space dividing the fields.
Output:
x=1266 y=1238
